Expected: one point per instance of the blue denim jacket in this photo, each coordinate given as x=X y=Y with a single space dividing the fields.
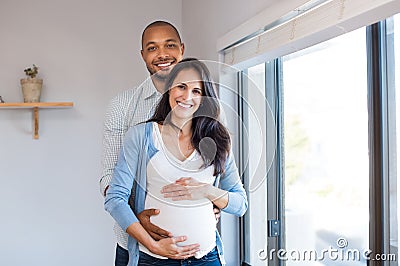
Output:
x=130 y=172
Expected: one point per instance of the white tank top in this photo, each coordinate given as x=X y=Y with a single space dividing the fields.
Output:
x=192 y=218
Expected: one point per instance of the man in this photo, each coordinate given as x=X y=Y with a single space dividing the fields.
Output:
x=162 y=48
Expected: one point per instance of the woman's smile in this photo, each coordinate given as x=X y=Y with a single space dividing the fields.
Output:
x=184 y=105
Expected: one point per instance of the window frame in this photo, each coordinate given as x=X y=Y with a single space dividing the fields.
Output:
x=379 y=128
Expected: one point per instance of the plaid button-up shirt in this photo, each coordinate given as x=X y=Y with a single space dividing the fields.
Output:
x=127 y=109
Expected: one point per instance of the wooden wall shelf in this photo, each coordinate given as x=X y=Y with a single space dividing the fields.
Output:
x=35 y=107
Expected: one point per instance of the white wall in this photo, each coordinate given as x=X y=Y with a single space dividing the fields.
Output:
x=87 y=51
x=206 y=21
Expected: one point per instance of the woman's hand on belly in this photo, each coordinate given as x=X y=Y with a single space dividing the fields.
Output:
x=186 y=188
x=168 y=247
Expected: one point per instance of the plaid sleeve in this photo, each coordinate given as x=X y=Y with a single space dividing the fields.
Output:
x=115 y=127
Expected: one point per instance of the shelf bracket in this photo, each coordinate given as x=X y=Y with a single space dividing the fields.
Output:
x=36 y=122
x=35 y=106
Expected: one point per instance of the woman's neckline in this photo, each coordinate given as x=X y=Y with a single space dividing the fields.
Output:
x=165 y=148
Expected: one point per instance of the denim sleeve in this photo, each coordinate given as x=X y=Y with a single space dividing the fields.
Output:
x=119 y=191
x=230 y=181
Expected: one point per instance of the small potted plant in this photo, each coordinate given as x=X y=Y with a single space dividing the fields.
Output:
x=31 y=86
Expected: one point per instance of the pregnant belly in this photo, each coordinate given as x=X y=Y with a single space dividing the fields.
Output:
x=194 y=219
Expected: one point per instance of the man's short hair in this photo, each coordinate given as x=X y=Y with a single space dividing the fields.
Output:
x=161 y=23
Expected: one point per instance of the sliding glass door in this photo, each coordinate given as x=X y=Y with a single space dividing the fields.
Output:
x=394 y=102
x=326 y=175
x=329 y=192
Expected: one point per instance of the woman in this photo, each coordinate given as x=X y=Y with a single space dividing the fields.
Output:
x=179 y=162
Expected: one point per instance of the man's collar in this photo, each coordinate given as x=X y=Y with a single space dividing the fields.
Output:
x=148 y=88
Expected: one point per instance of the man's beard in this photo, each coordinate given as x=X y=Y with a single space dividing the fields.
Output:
x=160 y=75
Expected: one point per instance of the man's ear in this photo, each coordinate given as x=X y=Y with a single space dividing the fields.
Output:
x=183 y=48
x=141 y=52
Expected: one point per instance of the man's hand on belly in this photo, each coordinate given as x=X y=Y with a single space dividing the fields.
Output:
x=156 y=232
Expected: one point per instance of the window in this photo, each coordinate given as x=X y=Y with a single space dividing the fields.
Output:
x=326 y=147
x=319 y=187
x=394 y=98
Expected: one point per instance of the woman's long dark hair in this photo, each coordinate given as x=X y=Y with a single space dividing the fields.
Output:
x=209 y=137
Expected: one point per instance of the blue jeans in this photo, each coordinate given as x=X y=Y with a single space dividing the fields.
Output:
x=211 y=259
x=121 y=256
